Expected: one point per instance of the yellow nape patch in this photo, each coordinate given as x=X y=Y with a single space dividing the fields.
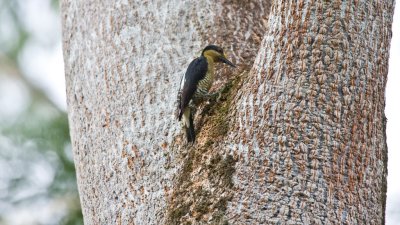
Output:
x=212 y=54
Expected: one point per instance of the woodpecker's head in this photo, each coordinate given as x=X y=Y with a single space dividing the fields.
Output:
x=217 y=54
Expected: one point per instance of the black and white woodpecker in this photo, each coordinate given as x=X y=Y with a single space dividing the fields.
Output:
x=196 y=83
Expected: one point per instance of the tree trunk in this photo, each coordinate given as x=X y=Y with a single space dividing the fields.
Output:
x=309 y=124
x=298 y=137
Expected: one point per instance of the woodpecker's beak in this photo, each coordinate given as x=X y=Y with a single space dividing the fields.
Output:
x=226 y=61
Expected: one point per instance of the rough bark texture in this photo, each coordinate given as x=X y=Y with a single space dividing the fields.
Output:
x=123 y=64
x=298 y=138
x=309 y=125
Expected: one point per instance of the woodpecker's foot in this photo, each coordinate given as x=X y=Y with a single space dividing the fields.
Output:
x=216 y=96
x=213 y=96
x=219 y=96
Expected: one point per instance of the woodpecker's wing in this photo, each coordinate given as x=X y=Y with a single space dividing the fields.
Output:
x=195 y=72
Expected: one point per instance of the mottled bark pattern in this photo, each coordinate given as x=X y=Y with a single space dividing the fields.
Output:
x=123 y=63
x=308 y=128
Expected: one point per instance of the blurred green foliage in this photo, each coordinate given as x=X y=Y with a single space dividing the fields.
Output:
x=36 y=138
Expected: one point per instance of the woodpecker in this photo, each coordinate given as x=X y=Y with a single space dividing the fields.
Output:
x=196 y=83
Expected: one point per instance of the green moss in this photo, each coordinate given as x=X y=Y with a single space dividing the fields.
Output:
x=203 y=202
x=179 y=212
x=220 y=111
x=201 y=209
x=225 y=222
x=187 y=168
x=222 y=204
x=227 y=170
x=176 y=214
x=208 y=144
x=218 y=171
x=221 y=170
x=218 y=219
x=180 y=209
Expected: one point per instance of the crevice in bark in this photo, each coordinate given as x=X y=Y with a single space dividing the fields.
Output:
x=202 y=189
x=204 y=184
x=216 y=115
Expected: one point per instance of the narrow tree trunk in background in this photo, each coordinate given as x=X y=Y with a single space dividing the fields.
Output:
x=299 y=138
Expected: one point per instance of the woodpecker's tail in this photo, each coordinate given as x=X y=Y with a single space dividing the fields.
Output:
x=188 y=120
x=190 y=134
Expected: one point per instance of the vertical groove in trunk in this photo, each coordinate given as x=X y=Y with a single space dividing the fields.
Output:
x=308 y=127
x=203 y=184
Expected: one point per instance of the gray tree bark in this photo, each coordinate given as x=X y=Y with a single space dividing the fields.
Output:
x=297 y=137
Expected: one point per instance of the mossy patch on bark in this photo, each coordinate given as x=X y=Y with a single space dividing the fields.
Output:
x=217 y=123
x=204 y=184
x=194 y=200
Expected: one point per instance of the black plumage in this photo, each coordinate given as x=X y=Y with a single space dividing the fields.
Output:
x=190 y=133
x=196 y=83
x=196 y=71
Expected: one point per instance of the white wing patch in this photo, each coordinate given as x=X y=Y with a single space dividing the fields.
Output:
x=183 y=80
